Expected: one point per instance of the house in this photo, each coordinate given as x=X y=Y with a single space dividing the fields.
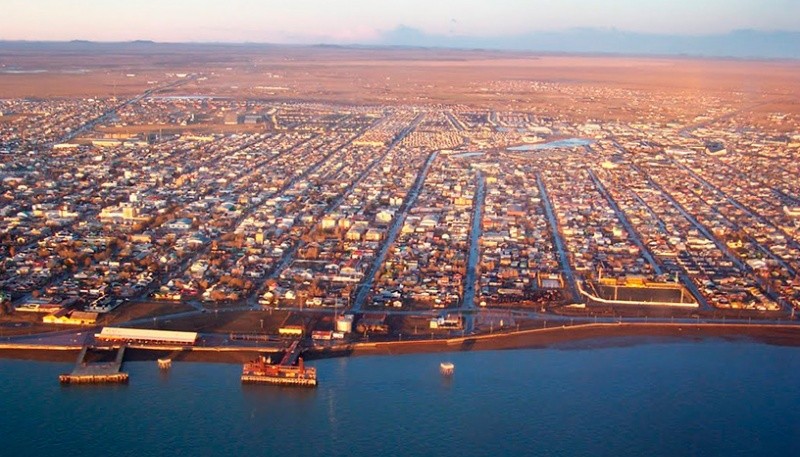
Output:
x=70 y=317
x=181 y=224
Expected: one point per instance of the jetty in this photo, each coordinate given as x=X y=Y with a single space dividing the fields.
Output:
x=284 y=373
x=97 y=372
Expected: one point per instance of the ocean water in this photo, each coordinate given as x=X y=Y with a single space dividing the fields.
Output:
x=655 y=399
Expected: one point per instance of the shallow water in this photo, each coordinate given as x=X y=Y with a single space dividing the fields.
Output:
x=565 y=143
x=665 y=398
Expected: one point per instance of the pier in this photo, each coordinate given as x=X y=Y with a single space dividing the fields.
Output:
x=285 y=373
x=292 y=354
x=96 y=372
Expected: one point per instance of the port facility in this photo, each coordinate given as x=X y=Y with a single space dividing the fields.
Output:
x=146 y=336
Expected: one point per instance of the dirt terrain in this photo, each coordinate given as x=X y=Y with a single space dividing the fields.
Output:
x=604 y=86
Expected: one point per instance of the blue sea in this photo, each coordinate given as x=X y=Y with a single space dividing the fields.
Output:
x=665 y=398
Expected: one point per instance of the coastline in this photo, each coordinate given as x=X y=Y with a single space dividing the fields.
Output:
x=592 y=335
x=583 y=336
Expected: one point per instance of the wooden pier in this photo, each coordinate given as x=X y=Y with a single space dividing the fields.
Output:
x=284 y=373
x=287 y=381
x=292 y=354
x=96 y=372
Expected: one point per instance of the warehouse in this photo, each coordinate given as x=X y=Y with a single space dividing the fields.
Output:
x=137 y=335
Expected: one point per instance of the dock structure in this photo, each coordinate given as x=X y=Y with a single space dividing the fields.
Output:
x=96 y=372
x=284 y=373
x=292 y=354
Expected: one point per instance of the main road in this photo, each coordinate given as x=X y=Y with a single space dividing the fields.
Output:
x=289 y=255
x=468 y=303
x=557 y=241
x=90 y=124
x=411 y=198
x=634 y=235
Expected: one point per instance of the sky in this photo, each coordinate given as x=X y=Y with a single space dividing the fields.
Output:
x=372 y=21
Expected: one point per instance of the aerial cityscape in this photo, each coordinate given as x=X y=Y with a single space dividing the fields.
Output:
x=369 y=214
x=246 y=190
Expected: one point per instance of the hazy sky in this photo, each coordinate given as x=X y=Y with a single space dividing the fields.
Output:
x=364 y=21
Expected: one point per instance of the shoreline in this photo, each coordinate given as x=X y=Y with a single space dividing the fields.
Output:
x=580 y=336
x=593 y=335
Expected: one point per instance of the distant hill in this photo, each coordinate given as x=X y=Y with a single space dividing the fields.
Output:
x=738 y=44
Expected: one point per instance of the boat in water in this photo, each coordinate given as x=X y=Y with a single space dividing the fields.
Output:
x=447 y=368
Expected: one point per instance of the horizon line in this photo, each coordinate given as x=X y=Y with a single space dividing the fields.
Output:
x=389 y=46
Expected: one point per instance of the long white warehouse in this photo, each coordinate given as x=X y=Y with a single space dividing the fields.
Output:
x=140 y=335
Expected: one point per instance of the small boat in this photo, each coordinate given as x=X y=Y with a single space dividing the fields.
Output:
x=447 y=368
x=164 y=364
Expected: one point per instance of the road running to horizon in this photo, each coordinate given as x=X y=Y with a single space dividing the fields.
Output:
x=366 y=284
x=468 y=303
x=558 y=242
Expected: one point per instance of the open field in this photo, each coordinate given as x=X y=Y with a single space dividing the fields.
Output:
x=501 y=80
x=171 y=129
x=227 y=322
x=139 y=310
x=25 y=324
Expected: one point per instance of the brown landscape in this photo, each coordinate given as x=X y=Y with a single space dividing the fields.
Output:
x=400 y=76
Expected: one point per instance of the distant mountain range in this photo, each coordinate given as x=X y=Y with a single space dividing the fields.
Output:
x=737 y=44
